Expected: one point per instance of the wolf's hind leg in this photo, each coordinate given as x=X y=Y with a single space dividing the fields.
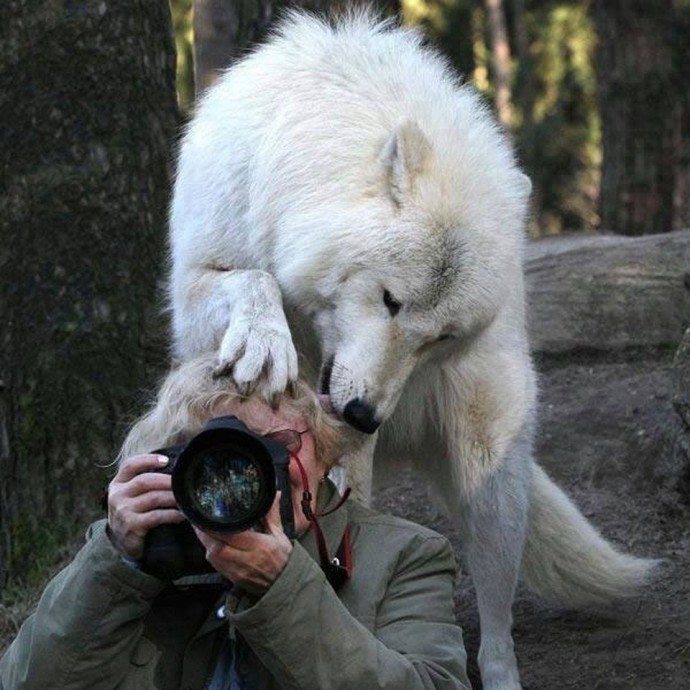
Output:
x=493 y=523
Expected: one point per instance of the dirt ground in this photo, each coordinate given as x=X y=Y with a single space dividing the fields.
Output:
x=607 y=435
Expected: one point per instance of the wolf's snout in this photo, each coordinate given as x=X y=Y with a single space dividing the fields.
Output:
x=361 y=416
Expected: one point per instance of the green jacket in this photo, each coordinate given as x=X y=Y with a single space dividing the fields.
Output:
x=101 y=624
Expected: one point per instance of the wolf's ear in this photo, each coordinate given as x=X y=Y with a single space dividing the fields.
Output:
x=404 y=156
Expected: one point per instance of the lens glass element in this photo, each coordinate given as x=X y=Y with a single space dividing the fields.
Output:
x=225 y=484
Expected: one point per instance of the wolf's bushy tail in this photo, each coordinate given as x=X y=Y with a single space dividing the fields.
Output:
x=566 y=560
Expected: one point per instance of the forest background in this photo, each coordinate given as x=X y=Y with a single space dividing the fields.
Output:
x=93 y=96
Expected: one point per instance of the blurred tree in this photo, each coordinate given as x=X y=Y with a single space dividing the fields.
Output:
x=184 y=44
x=681 y=130
x=223 y=29
x=525 y=83
x=87 y=114
x=637 y=102
x=500 y=60
x=448 y=24
x=556 y=116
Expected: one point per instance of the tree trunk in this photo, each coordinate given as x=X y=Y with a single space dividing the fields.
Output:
x=225 y=29
x=87 y=115
x=222 y=30
x=637 y=100
x=500 y=60
x=608 y=293
x=681 y=172
x=528 y=91
x=681 y=142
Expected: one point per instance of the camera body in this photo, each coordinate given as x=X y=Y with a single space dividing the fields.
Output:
x=225 y=481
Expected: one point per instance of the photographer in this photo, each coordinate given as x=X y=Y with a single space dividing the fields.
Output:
x=274 y=612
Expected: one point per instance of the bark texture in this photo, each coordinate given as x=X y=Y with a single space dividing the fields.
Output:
x=637 y=103
x=87 y=116
x=681 y=142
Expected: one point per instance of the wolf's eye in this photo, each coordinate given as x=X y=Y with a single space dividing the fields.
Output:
x=391 y=303
x=445 y=336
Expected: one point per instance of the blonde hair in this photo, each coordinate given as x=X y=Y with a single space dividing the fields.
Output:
x=190 y=392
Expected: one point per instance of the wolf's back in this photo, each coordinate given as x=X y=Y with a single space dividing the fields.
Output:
x=337 y=89
x=566 y=560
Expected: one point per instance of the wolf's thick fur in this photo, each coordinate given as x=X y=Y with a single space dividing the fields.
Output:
x=338 y=190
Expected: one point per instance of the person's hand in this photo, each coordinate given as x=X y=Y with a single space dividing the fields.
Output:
x=251 y=560
x=139 y=499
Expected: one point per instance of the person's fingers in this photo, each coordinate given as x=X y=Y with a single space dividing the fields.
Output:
x=141 y=523
x=152 y=500
x=241 y=541
x=128 y=529
x=272 y=522
x=126 y=510
x=154 y=518
x=252 y=560
x=136 y=464
x=204 y=538
x=120 y=495
x=148 y=481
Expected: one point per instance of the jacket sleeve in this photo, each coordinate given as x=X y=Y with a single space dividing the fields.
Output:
x=302 y=632
x=86 y=625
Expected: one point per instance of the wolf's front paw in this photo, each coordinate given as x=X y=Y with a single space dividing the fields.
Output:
x=260 y=357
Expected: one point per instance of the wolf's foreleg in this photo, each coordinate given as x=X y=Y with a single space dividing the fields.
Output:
x=240 y=314
x=493 y=524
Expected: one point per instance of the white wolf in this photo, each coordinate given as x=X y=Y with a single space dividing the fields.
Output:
x=339 y=194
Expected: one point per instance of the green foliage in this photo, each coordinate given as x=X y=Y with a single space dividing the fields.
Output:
x=555 y=118
x=38 y=547
x=448 y=23
x=560 y=137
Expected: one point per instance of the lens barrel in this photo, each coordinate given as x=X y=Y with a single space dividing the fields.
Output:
x=224 y=480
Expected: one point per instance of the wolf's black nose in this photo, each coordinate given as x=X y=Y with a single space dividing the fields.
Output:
x=361 y=416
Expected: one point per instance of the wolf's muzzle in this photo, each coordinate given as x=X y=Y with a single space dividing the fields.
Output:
x=362 y=416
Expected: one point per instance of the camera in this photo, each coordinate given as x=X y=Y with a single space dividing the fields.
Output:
x=224 y=480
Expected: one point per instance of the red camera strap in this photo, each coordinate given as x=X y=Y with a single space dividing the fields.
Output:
x=339 y=569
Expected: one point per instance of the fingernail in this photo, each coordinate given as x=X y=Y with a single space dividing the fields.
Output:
x=163 y=460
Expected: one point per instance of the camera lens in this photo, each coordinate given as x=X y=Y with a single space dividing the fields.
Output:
x=224 y=479
x=225 y=484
